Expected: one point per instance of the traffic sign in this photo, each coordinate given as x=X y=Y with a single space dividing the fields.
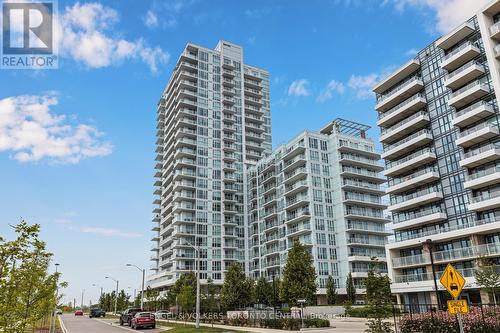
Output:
x=452 y=281
x=458 y=306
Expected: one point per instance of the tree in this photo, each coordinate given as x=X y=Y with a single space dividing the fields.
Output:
x=152 y=298
x=299 y=276
x=235 y=291
x=185 y=279
x=331 y=291
x=210 y=296
x=488 y=277
x=187 y=298
x=350 y=289
x=28 y=290
x=263 y=292
x=378 y=299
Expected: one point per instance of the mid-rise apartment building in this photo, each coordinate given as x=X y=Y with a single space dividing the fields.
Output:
x=322 y=189
x=438 y=116
x=213 y=120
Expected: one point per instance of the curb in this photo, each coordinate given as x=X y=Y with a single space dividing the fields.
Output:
x=63 y=327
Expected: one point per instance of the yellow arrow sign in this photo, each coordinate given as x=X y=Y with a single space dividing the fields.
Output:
x=452 y=281
x=458 y=306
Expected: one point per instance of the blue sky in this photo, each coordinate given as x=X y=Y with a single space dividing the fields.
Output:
x=77 y=143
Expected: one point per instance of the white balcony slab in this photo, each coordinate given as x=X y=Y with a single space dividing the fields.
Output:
x=486 y=180
x=455 y=36
x=472 y=114
x=417 y=201
x=426 y=178
x=481 y=204
x=412 y=163
x=426 y=219
x=400 y=94
x=468 y=94
x=418 y=141
x=464 y=75
x=402 y=111
x=462 y=55
x=480 y=157
x=416 y=121
x=397 y=76
x=476 y=136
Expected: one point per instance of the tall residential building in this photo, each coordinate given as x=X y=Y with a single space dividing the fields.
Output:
x=438 y=116
x=322 y=189
x=213 y=120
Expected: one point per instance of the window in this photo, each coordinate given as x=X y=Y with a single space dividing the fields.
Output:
x=318 y=195
x=315 y=169
x=314 y=155
x=313 y=143
x=322 y=254
x=323 y=145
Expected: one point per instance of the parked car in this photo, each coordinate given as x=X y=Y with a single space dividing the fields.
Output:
x=96 y=312
x=162 y=314
x=127 y=315
x=142 y=320
x=78 y=313
x=58 y=312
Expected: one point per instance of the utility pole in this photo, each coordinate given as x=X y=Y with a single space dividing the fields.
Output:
x=142 y=288
x=428 y=242
x=83 y=292
x=52 y=327
x=116 y=295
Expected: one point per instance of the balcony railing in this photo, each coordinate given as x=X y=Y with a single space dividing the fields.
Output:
x=407 y=139
x=484 y=172
x=486 y=196
x=401 y=123
x=399 y=88
x=461 y=69
x=416 y=215
x=361 y=184
x=480 y=150
x=467 y=87
x=419 y=173
x=414 y=195
x=391 y=164
x=474 y=129
x=364 y=198
x=457 y=50
x=400 y=106
x=470 y=108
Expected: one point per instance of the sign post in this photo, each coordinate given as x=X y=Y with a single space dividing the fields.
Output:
x=301 y=302
x=454 y=282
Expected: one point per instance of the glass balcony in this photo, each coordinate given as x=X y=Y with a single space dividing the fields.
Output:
x=483 y=178
x=485 y=201
x=481 y=155
x=472 y=114
x=469 y=93
x=403 y=128
x=412 y=161
x=424 y=176
x=415 y=199
x=477 y=134
x=459 y=56
x=412 y=142
x=399 y=94
x=402 y=110
x=465 y=74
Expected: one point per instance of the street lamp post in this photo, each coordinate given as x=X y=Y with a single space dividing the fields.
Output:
x=142 y=288
x=197 y=250
x=53 y=321
x=98 y=286
x=116 y=294
x=81 y=306
x=428 y=242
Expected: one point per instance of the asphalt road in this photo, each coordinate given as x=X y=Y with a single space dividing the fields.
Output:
x=84 y=324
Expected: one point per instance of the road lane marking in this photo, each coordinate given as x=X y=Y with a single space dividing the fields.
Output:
x=63 y=327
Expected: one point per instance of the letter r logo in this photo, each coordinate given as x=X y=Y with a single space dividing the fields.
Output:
x=27 y=28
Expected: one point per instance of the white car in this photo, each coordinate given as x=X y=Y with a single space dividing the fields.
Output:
x=162 y=314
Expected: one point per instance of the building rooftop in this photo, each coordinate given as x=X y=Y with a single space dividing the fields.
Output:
x=347 y=127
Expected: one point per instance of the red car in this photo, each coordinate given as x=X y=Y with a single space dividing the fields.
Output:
x=143 y=319
x=78 y=313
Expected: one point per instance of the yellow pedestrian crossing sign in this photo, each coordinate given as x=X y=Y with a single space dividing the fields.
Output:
x=452 y=281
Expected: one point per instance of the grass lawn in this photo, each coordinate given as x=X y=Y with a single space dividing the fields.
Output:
x=188 y=328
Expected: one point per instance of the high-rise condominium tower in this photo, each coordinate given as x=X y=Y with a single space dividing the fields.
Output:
x=213 y=121
x=322 y=189
x=439 y=119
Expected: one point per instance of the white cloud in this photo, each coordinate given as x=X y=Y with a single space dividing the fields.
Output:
x=32 y=132
x=332 y=87
x=362 y=85
x=299 y=88
x=449 y=13
x=84 y=34
x=107 y=232
x=411 y=52
x=151 y=20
